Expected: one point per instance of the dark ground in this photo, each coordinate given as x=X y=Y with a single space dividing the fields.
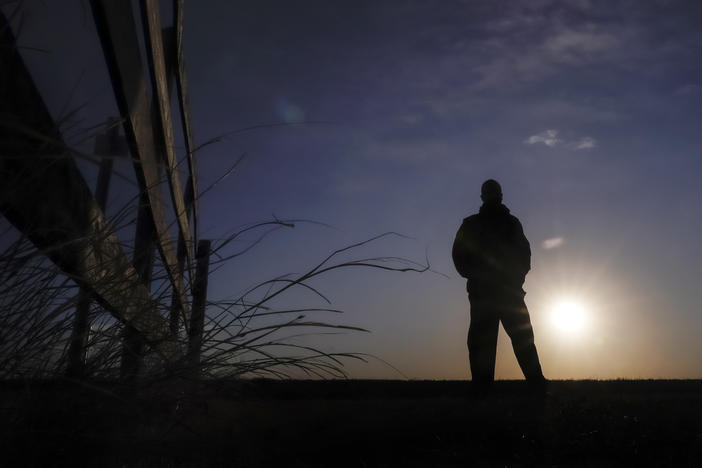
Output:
x=352 y=423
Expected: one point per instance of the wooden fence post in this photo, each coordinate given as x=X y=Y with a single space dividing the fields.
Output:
x=197 y=315
x=168 y=35
x=143 y=260
x=78 y=346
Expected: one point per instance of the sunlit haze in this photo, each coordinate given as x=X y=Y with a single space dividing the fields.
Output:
x=569 y=317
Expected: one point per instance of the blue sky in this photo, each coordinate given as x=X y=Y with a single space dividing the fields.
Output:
x=587 y=112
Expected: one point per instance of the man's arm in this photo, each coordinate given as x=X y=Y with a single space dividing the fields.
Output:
x=461 y=252
x=522 y=248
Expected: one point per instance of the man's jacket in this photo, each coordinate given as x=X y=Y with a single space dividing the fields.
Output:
x=490 y=247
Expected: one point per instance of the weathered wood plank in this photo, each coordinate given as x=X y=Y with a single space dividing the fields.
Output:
x=115 y=24
x=159 y=78
x=183 y=98
x=43 y=194
x=174 y=56
x=169 y=51
x=175 y=314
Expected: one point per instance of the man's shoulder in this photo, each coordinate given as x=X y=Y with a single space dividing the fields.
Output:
x=471 y=220
x=514 y=219
x=515 y=226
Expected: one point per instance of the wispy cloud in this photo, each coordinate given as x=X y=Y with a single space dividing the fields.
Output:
x=581 y=46
x=585 y=143
x=547 y=137
x=552 y=243
x=550 y=138
x=687 y=90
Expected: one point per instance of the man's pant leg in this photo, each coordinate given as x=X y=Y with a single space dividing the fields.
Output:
x=517 y=324
x=482 y=340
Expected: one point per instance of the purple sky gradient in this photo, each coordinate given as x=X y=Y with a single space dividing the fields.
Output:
x=587 y=112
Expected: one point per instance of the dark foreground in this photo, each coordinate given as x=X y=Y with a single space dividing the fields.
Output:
x=352 y=423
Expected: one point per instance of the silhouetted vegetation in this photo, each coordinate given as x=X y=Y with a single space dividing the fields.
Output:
x=244 y=335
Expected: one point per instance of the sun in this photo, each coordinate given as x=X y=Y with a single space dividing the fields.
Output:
x=569 y=316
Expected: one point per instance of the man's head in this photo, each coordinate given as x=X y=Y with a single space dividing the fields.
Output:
x=491 y=192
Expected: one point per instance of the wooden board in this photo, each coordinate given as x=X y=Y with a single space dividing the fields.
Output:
x=159 y=78
x=182 y=86
x=114 y=20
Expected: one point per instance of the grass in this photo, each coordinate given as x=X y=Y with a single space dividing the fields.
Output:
x=251 y=334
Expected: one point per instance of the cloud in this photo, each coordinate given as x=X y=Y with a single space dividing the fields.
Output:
x=552 y=243
x=585 y=143
x=521 y=48
x=550 y=138
x=547 y=137
x=687 y=90
x=581 y=46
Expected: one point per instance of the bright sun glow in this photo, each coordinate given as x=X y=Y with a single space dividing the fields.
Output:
x=569 y=316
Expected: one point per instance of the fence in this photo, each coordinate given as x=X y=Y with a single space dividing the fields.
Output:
x=44 y=195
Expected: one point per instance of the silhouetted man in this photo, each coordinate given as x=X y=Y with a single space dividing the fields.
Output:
x=492 y=252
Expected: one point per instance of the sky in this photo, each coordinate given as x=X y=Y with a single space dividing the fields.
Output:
x=587 y=113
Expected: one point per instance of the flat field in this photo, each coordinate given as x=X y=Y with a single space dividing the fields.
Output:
x=351 y=423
